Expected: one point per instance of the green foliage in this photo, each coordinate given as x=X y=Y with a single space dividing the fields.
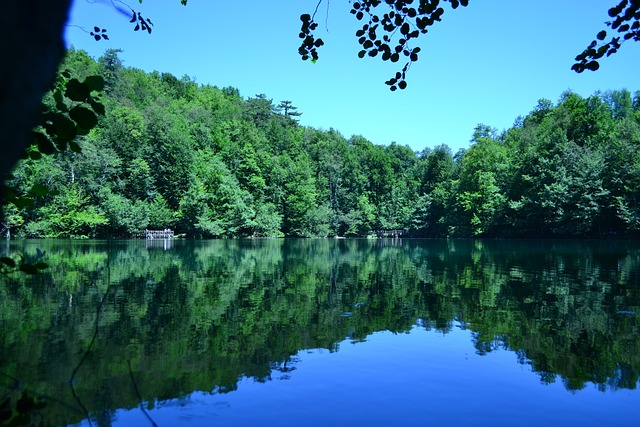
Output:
x=125 y=217
x=68 y=215
x=208 y=163
x=267 y=222
x=160 y=214
x=23 y=411
x=70 y=110
x=23 y=263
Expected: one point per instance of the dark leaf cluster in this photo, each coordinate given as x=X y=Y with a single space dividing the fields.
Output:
x=21 y=412
x=624 y=26
x=10 y=265
x=309 y=45
x=73 y=112
x=143 y=24
x=99 y=34
x=388 y=30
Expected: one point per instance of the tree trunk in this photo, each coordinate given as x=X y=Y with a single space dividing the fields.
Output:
x=31 y=48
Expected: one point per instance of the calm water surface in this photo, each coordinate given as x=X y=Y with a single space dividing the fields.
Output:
x=318 y=332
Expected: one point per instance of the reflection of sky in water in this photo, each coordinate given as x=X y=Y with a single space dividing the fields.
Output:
x=416 y=379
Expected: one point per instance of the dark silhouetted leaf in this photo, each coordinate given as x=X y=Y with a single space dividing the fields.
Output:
x=25 y=404
x=593 y=65
x=77 y=91
x=84 y=117
x=97 y=107
x=64 y=127
x=75 y=147
x=44 y=144
x=28 y=268
x=23 y=202
x=34 y=155
x=39 y=190
x=9 y=262
x=94 y=83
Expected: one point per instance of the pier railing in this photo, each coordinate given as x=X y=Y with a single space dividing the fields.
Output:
x=159 y=234
x=391 y=233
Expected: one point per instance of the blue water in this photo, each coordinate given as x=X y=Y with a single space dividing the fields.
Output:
x=414 y=379
x=298 y=333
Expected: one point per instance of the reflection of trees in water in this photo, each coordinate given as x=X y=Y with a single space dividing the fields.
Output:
x=203 y=314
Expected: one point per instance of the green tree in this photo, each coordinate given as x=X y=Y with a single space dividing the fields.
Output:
x=267 y=222
x=481 y=199
x=289 y=111
x=125 y=131
x=160 y=214
x=126 y=218
x=300 y=198
x=172 y=153
x=68 y=215
x=140 y=183
x=23 y=83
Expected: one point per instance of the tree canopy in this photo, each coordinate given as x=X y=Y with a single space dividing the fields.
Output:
x=208 y=162
x=31 y=37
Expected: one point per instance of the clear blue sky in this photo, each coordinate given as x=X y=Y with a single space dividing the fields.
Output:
x=487 y=63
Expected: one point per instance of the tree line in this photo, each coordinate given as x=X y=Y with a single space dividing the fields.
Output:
x=206 y=162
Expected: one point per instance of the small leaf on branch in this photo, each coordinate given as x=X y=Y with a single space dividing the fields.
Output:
x=8 y=262
x=28 y=269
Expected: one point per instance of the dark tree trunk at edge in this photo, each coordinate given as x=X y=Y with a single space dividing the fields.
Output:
x=31 y=48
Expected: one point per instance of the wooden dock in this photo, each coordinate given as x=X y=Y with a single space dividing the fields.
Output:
x=391 y=233
x=159 y=234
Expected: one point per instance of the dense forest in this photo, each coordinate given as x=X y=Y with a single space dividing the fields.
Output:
x=206 y=162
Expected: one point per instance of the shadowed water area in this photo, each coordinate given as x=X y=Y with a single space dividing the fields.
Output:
x=318 y=332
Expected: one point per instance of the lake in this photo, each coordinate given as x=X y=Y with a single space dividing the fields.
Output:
x=323 y=332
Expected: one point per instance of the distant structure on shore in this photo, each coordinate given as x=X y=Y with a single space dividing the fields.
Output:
x=159 y=234
x=391 y=233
